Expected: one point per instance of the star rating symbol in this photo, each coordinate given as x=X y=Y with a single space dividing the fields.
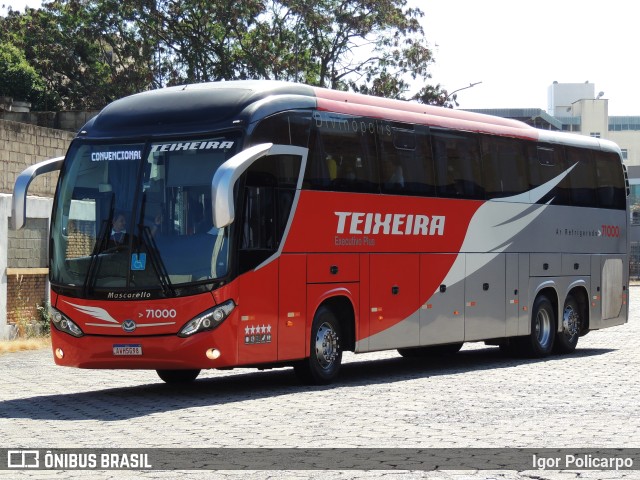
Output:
x=256 y=334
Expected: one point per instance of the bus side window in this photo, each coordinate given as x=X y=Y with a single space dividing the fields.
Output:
x=610 y=178
x=285 y=128
x=406 y=166
x=458 y=167
x=546 y=162
x=504 y=167
x=321 y=168
x=269 y=193
x=258 y=225
x=582 y=179
x=342 y=155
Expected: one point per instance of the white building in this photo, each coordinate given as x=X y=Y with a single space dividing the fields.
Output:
x=575 y=107
x=561 y=96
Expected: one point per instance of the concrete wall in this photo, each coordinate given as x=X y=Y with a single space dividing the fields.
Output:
x=629 y=140
x=23 y=281
x=23 y=254
x=69 y=121
x=595 y=116
x=22 y=145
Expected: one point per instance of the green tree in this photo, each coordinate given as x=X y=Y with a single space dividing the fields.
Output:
x=196 y=40
x=91 y=52
x=371 y=46
x=82 y=53
x=375 y=47
x=19 y=80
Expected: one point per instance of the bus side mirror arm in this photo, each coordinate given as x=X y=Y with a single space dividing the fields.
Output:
x=19 y=199
x=225 y=179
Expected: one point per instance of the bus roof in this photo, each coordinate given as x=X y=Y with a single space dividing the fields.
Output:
x=201 y=108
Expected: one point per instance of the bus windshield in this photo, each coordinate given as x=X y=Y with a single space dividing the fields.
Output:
x=138 y=216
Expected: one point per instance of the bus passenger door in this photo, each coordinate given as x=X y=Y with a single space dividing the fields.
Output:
x=258 y=280
x=258 y=306
x=272 y=298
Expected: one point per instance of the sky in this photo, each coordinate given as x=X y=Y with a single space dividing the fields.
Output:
x=517 y=48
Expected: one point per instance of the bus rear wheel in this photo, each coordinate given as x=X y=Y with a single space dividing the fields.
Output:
x=178 y=376
x=567 y=338
x=323 y=364
x=539 y=343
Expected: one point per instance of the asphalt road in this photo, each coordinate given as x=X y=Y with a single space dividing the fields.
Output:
x=476 y=399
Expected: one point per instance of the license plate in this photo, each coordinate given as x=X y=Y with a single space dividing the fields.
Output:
x=123 y=349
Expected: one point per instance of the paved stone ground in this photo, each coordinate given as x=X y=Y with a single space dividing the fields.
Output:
x=475 y=399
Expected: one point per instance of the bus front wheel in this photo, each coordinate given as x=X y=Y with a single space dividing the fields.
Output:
x=323 y=364
x=178 y=376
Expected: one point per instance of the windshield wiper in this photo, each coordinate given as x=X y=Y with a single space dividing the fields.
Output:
x=156 y=262
x=154 y=254
x=101 y=243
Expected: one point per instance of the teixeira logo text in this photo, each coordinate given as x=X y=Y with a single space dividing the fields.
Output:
x=362 y=223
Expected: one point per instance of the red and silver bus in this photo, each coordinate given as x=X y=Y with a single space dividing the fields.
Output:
x=271 y=224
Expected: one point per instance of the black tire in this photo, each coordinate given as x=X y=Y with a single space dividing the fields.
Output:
x=178 y=376
x=539 y=343
x=572 y=321
x=433 y=351
x=323 y=364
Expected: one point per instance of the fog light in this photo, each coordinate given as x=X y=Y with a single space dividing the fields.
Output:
x=213 y=354
x=59 y=353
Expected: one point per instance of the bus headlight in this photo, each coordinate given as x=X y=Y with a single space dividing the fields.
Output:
x=64 y=323
x=208 y=320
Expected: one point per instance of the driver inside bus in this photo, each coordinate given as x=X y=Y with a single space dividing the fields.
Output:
x=156 y=227
x=118 y=229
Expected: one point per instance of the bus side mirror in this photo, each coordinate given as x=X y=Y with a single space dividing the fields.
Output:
x=225 y=179
x=19 y=199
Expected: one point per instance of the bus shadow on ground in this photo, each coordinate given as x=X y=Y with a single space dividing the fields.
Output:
x=114 y=404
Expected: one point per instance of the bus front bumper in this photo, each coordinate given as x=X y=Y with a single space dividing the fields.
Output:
x=200 y=351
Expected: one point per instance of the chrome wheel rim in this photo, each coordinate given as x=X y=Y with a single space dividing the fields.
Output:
x=570 y=322
x=543 y=328
x=327 y=346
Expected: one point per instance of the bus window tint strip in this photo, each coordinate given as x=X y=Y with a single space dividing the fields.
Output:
x=358 y=154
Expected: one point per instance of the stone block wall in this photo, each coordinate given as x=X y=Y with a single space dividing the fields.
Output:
x=25 y=293
x=28 y=246
x=23 y=264
x=71 y=121
x=23 y=254
x=82 y=239
x=22 y=145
